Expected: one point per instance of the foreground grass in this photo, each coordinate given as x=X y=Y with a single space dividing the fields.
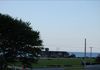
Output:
x=61 y=61
x=66 y=63
x=58 y=61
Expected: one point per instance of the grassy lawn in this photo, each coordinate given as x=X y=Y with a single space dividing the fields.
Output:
x=59 y=61
x=66 y=63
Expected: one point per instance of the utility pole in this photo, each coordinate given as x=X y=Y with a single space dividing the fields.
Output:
x=85 y=54
x=85 y=49
x=91 y=52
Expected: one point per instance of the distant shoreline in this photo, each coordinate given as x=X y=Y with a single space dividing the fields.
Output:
x=81 y=54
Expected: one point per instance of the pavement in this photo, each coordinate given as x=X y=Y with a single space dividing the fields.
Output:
x=92 y=67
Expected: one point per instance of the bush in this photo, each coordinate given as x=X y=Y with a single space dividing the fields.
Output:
x=98 y=59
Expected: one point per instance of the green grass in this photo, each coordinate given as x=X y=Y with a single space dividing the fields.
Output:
x=66 y=63
x=62 y=62
x=74 y=68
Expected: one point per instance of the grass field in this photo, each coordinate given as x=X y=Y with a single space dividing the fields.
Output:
x=66 y=63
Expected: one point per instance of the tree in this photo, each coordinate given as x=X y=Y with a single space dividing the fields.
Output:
x=98 y=59
x=18 y=40
x=72 y=56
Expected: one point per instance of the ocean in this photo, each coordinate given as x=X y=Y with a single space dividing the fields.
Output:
x=81 y=54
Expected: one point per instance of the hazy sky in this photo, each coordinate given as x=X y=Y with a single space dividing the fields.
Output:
x=63 y=25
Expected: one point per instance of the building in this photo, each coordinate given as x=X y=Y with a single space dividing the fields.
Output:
x=54 y=54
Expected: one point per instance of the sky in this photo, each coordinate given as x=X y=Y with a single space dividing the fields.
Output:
x=63 y=24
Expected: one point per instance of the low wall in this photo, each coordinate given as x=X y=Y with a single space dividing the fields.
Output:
x=48 y=69
x=20 y=68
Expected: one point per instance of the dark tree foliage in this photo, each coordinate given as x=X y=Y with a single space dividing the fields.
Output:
x=72 y=56
x=98 y=59
x=18 y=41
